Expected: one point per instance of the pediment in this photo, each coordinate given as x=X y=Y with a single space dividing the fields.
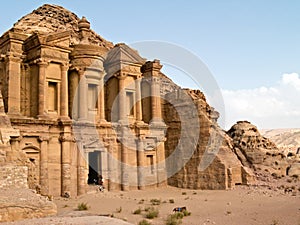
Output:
x=122 y=53
x=93 y=144
x=61 y=40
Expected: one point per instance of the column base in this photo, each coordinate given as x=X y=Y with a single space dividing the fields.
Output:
x=157 y=123
x=63 y=118
x=125 y=187
x=102 y=121
x=14 y=114
x=142 y=187
x=140 y=123
x=43 y=117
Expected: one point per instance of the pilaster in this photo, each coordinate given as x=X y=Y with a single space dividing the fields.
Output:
x=42 y=111
x=66 y=163
x=64 y=106
x=141 y=163
x=44 y=178
x=14 y=85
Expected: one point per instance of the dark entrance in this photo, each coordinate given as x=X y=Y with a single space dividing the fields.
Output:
x=94 y=167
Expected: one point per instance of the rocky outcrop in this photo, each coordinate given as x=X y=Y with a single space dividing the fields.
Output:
x=287 y=140
x=249 y=145
x=16 y=200
x=258 y=152
x=52 y=19
x=200 y=153
x=18 y=204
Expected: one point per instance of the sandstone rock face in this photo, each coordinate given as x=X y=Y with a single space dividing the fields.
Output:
x=53 y=18
x=203 y=150
x=258 y=152
x=17 y=204
x=248 y=140
x=287 y=140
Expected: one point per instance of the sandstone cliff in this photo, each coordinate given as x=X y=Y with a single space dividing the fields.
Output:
x=287 y=140
x=53 y=18
x=260 y=153
x=205 y=157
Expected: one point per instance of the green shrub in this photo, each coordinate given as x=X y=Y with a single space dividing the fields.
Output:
x=137 y=211
x=173 y=219
x=151 y=213
x=186 y=213
x=82 y=206
x=155 y=201
x=179 y=215
x=144 y=222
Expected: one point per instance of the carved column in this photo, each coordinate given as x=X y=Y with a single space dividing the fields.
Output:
x=64 y=106
x=155 y=100
x=83 y=103
x=151 y=71
x=44 y=178
x=141 y=163
x=122 y=98
x=66 y=164
x=101 y=104
x=124 y=167
x=160 y=163
x=111 y=166
x=82 y=170
x=14 y=87
x=42 y=89
x=139 y=113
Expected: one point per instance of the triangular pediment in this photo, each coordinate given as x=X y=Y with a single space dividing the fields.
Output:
x=122 y=53
x=61 y=39
x=93 y=144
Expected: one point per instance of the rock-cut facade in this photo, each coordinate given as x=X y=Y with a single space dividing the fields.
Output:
x=84 y=107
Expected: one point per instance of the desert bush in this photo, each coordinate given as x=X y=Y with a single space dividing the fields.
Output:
x=151 y=213
x=179 y=215
x=82 y=206
x=275 y=222
x=173 y=219
x=144 y=222
x=183 y=193
x=171 y=201
x=155 y=201
x=186 y=213
x=137 y=211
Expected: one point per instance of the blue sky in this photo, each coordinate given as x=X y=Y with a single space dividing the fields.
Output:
x=247 y=45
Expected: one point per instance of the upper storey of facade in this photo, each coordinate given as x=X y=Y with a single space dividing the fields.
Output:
x=52 y=66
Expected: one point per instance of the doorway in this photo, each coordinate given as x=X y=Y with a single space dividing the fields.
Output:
x=94 y=167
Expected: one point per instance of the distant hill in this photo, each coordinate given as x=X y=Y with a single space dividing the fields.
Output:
x=285 y=139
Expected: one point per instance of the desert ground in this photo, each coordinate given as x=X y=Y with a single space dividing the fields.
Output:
x=255 y=205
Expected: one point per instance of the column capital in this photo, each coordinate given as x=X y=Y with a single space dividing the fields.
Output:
x=43 y=138
x=109 y=139
x=13 y=58
x=151 y=66
x=64 y=138
x=41 y=62
x=64 y=66
x=121 y=75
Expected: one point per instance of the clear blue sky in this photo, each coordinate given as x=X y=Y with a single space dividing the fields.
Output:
x=245 y=44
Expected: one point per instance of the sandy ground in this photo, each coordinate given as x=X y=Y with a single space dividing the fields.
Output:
x=244 y=205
